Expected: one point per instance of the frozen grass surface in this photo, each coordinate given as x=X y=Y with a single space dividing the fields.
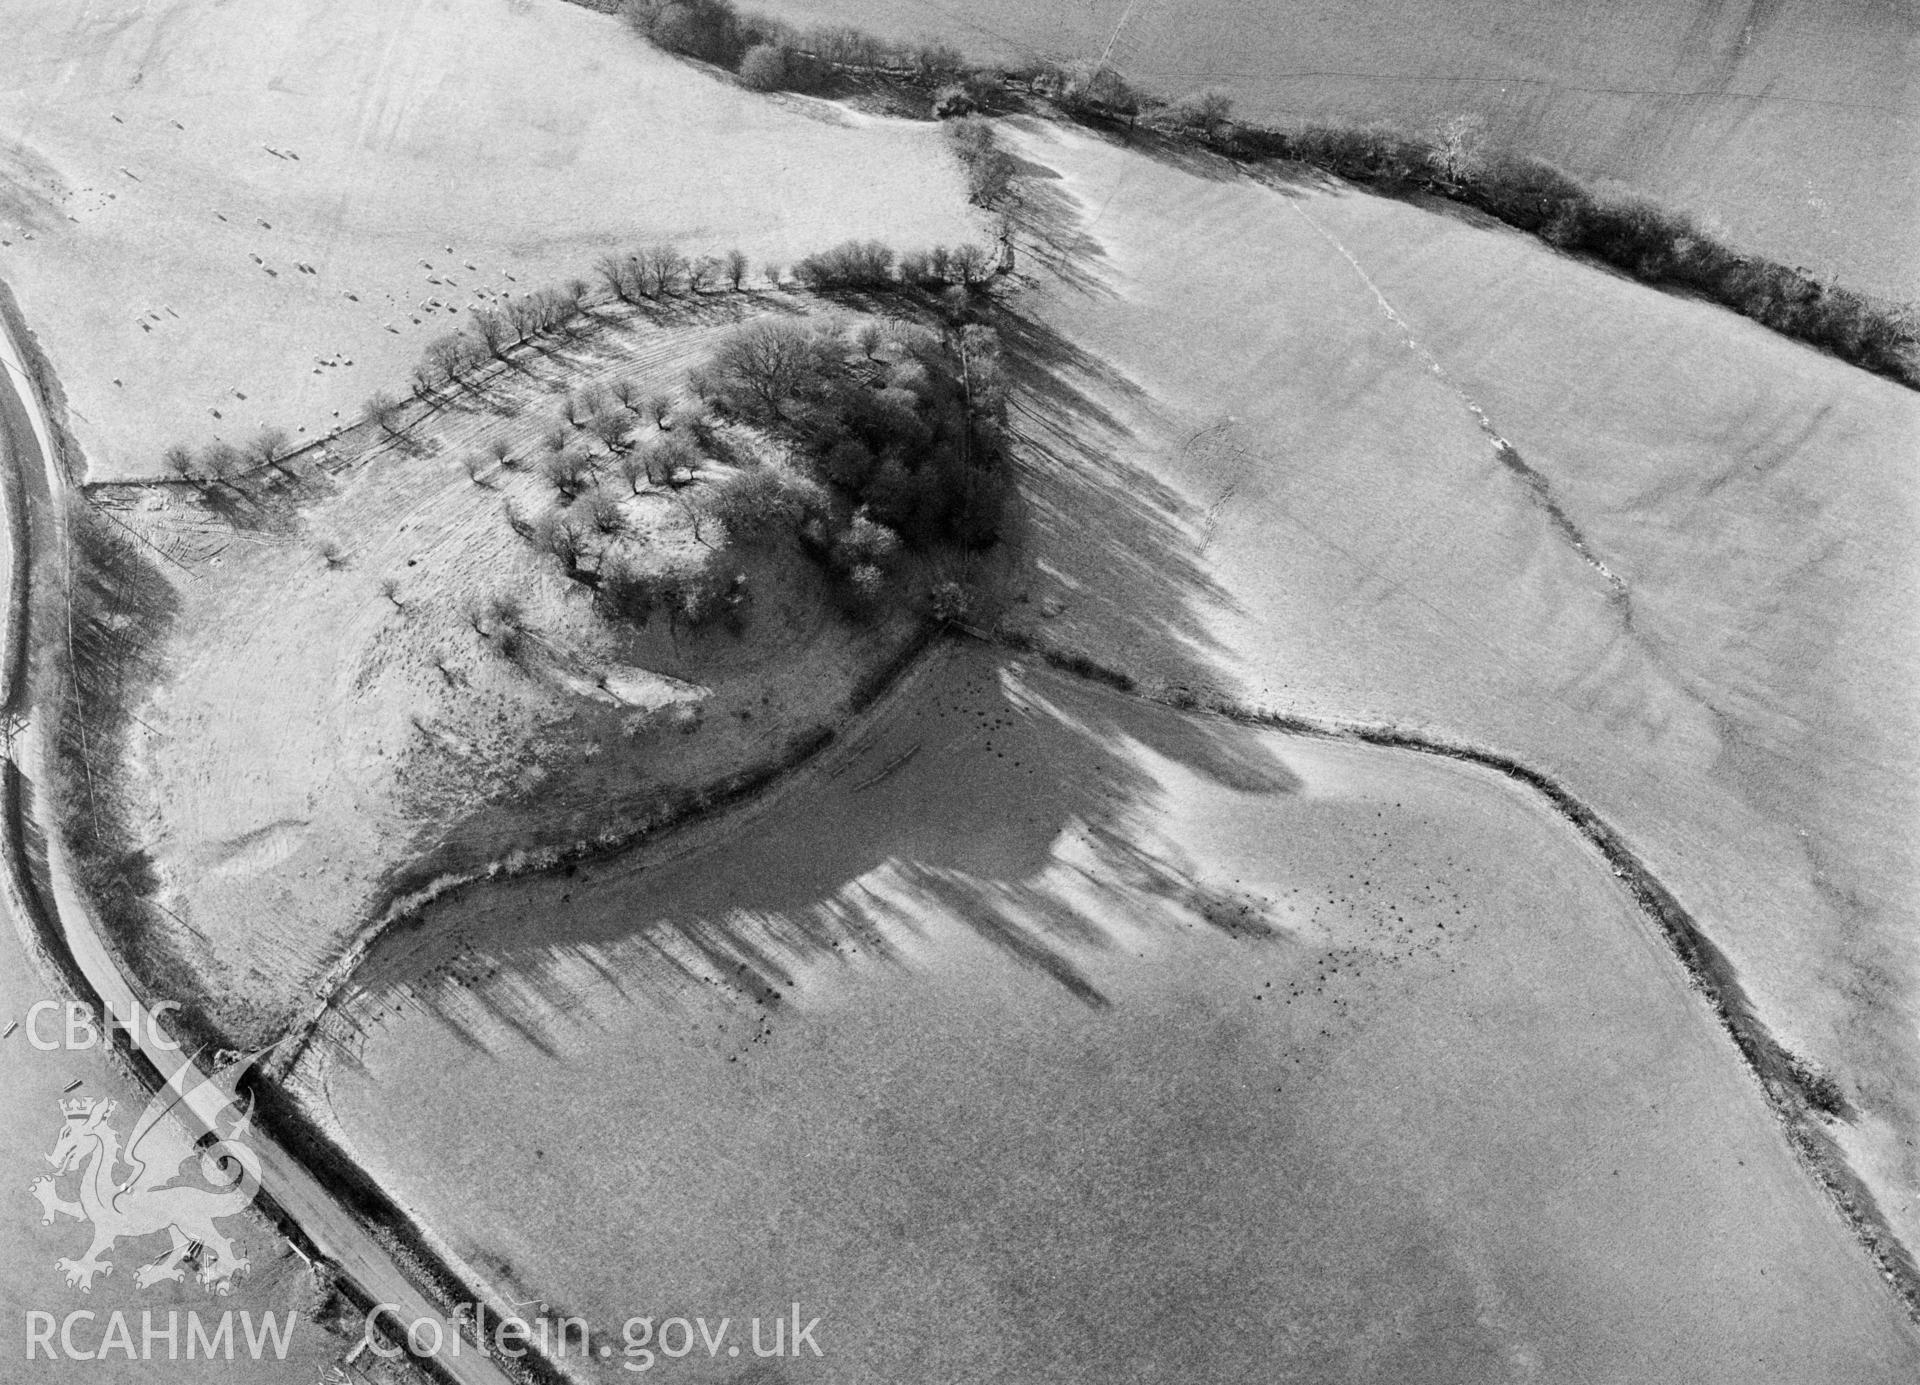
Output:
x=165 y=174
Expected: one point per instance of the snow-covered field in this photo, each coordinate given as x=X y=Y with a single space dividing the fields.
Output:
x=1099 y=1041
x=1223 y=1020
x=1435 y=474
x=1791 y=127
x=330 y=725
x=166 y=171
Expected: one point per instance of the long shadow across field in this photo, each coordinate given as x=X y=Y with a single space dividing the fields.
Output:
x=1120 y=544
x=1008 y=777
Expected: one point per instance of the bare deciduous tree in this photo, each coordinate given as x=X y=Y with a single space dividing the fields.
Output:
x=700 y=272
x=1456 y=154
x=527 y=315
x=616 y=272
x=763 y=364
x=661 y=270
x=916 y=267
x=507 y=611
x=569 y=471
x=671 y=462
x=603 y=512
x=442 y=360
x=1204 y=113
x=222 y=461
x=657 y=407
x=1087 y=85
x=178 y=459
x=636 y=468
x=495 y=332
x=753 y=505
x=565 y=535
x=969 y=264
x=611 y=428
x=268 y=446
x=384 y=410
x=736 y=269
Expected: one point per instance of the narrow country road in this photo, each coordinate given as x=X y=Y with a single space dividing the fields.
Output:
x=26 y=458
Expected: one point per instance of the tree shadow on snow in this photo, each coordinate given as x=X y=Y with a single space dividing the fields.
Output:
x=1010 y=773
x=1025 y=815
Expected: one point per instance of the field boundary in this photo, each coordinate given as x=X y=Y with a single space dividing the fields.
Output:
x=1654 y=246
x=405 y=901
x=1793 y=1093
x=30 y=877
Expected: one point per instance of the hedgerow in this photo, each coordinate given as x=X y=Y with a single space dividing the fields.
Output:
x=1654 y=245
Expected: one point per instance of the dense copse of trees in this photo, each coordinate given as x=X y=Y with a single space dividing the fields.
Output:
x=893 y=444
x=852 y=264
x=770 y=55
x=693 y=597
x=709 y=30
x=909 y=434
x=767 y=54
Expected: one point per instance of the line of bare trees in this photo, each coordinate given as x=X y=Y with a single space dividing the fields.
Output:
x=663 y=271
x=651 y=274
x=989 y=169
x=227 y=462
x=873 y=264
x=1653 y=244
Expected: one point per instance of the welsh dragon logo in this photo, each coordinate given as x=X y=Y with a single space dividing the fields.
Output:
x=147 y=1200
